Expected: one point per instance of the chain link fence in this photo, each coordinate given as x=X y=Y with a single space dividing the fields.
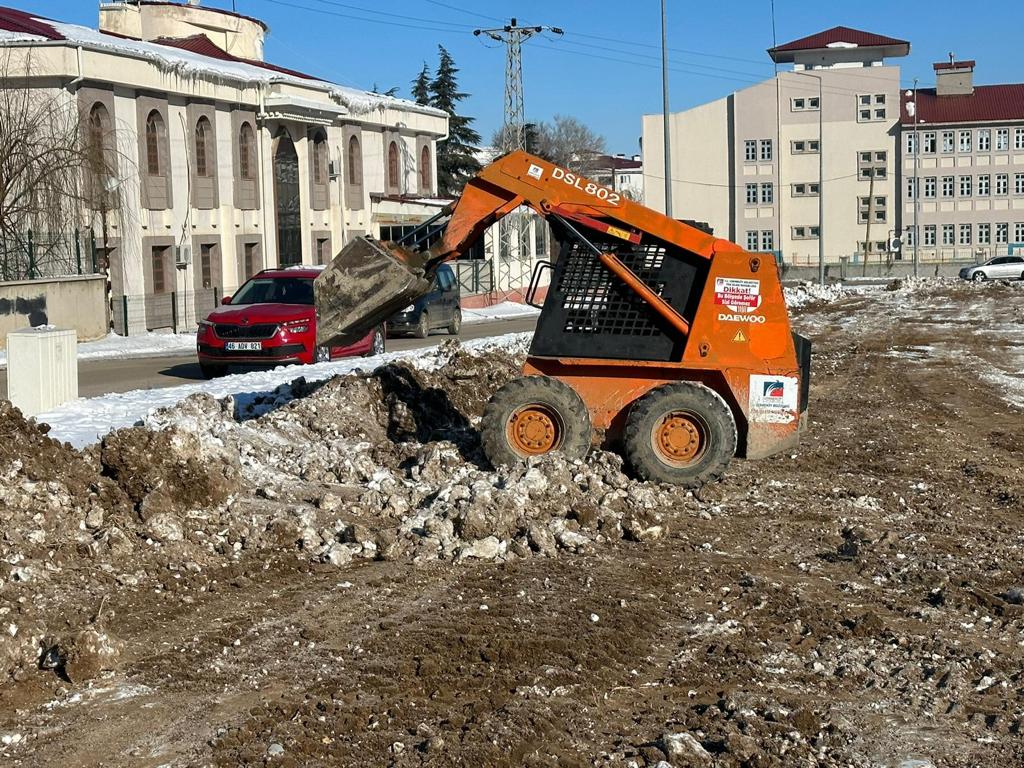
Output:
x=35 y=255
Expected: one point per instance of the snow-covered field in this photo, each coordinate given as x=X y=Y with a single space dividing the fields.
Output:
x=86 y=420
x=115 y=347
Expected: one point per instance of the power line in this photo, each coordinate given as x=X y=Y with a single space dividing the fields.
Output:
x=324 y=11
x=392 y=15
x=463 y=10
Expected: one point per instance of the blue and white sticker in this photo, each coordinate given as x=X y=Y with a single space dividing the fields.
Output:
x=772 y=399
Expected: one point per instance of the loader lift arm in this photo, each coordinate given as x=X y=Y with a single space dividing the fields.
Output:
x=677 y=348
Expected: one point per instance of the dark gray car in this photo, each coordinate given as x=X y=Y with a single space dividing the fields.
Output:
x=439 y=309
x=999 y=268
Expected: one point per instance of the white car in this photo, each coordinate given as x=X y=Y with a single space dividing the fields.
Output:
x=999 y=268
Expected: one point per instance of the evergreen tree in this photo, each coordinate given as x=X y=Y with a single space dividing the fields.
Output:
x=455 y=159
x=421 y=86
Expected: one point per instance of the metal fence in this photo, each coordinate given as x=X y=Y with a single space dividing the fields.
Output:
x=475 y=276
x=175 y=311
x=35 y=255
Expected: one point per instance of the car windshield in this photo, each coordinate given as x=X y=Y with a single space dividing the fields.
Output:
x=275 y=290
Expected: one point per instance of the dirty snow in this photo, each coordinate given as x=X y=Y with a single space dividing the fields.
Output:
x=115 y=347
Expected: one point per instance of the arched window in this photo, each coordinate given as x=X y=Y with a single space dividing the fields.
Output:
x=393 y=164
x=425 y=175
x=246 y=146
x=320 y=158
x=355 y=162
x=154 y=135
x=204 y=134
x=99 y=124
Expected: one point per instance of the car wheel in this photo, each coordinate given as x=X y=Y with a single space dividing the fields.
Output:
x=979 y=277
x=212 y=370
x=323 y=355
x=456 y=324
x=377 y=345
x=682 y=433
x=423 y=329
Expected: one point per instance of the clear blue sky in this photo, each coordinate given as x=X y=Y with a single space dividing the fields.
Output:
x=605 y=70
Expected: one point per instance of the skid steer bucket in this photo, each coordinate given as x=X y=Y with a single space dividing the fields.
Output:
x=367 y=283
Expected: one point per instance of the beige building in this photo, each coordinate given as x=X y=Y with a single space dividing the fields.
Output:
x=225 y=163
x=963 y=152
x=748 y=163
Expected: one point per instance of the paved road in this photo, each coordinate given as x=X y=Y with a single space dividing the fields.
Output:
x=101 y=377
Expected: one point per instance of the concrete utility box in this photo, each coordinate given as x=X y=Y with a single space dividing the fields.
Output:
x=42 y=368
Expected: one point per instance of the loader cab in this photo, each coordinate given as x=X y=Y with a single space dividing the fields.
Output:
x=436 y=311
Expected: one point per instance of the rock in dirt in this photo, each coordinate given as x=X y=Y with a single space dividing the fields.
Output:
x=684 y=751
x=87 y=654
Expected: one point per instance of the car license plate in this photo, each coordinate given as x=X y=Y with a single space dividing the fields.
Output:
x=244 y=346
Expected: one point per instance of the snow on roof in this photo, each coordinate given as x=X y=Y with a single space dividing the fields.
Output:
x=18 y=27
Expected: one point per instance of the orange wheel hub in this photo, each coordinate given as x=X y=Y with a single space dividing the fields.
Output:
x=679 y=438
x=534 y=429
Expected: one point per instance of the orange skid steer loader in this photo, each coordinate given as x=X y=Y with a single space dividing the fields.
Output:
x=654 y=337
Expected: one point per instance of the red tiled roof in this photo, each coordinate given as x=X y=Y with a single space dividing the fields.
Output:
x=208 y=8
x=13 y=20
x=987 y=103
x=953 y=65
x=203 y=46
x=837 y=35
x=606 y=162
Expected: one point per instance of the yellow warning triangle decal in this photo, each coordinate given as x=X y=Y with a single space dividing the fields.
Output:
x=739 y=336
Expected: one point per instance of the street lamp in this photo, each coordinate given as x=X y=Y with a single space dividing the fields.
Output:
x=917 y=190
x=821 y=178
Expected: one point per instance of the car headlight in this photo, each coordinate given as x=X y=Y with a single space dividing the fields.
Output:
x=205 y=324
x=410 y=308
x=299 y=327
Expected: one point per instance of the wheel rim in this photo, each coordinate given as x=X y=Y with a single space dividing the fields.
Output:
x=535 y=429
x=680 y=438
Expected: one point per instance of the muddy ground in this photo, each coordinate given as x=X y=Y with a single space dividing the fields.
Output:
x=332 y=576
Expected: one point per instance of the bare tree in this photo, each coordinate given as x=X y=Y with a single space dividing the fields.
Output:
x=57 y=170
x=565 y=141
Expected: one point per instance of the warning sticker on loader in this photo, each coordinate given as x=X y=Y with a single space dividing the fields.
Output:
x=738 y=294
x=772 y=399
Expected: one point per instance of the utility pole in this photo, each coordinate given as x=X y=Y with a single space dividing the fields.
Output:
x=512 y=248
x=664 y=109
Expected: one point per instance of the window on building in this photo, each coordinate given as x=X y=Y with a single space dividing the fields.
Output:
x=1018 y=183
x=426 y=175
x=911 y=143
x=909 y=236
x=948 y=234
x=929 y=234
x=965 y=234
x=871 y=209
x=984 y=140
x=928 y=143
x=1002 y=183
x=767 y=240
x=204 y=135
x=804 y=147
x=766 y=149
x=206 y=264
x=752 y=239
x=948 y=186
x=320 y=158
x=804 y=104
x=246 y=152
x=1018 y=232
x=751 y=194
x=767 y=192
x=871 y=107
x=965 y=141
x=393 y=178
x=323 y=250
x=911 y=188
x=154 y=135
x=805 y=233
x=947 y=141
x=355 y=162
x=158 y=258
x=965 y=186
x=984 y=185
x=871 y=164
x=984 y=234
x=809 y=189
x=251 y=258
x=1002 y=233
x=750 y=150
x=929 y=186
x=1018 y=137
x=1003 y=139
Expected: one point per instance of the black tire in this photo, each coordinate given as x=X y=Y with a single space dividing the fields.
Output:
x=422 y=329
x=701 y=414
x=377 y=346
x=456 y=324
x=979 y=277
x=551 y=398
x=212 y=370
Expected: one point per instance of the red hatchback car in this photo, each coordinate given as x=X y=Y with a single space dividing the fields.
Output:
x=271 y=321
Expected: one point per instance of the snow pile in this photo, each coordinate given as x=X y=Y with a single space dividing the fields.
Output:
x=115 y=347
x=506 y=310
x=813 y=293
